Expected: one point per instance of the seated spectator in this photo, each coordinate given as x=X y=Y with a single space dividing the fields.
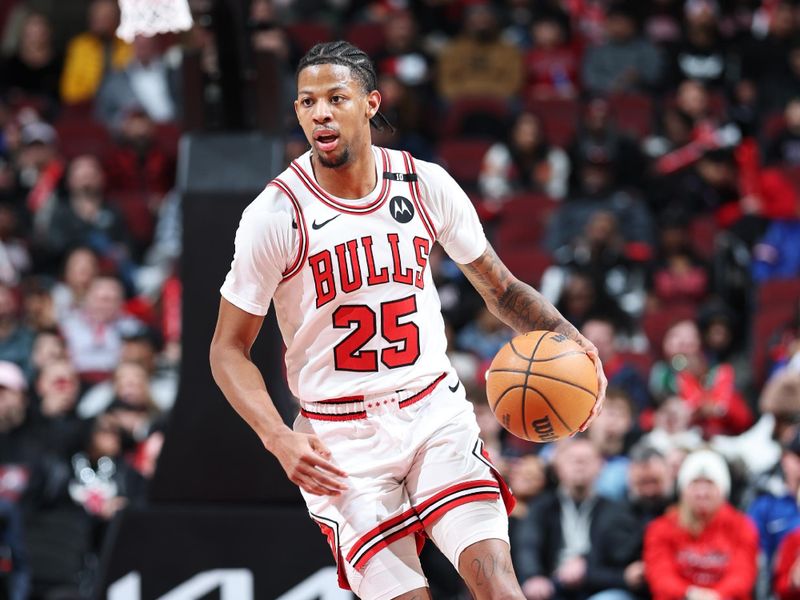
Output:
x=148 y=82
x=484 y=336
x=580 y=298
x=701 y=54
x=19 y=451
x=649 y=493
x=557 y=537
x=599 y=139
x=15 y=578
x=602 y=332
x=710 y=392
x=15 y=258
x=704 y=548
x=612 y=433
x=35 y=68
x=598 y=191
x=775 y=511
x=553 y=61
x=406 y=111
x=601 y=250
x=91 y=54
x=81 y=267
x=672 y=428
x=679 y=275
x=526 y=163
x=776 y=254
x=132 y=408
x=94 y=333
x=722 y=335
x=403 y=54
x=141 y=347
x=84 y=218
x=55 y=421
x=138 y=161
x=784 y=148
x=48 y=347
x=16 y=340
x=527 y=477
x=783 y=350
x=478 y=62
x=39 y=165
x=37 y=303
x=625 y=62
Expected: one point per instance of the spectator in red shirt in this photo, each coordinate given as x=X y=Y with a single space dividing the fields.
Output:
x=704 y=549
x=552 y=64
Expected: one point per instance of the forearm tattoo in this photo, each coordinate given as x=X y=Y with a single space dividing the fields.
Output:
x=517 y=304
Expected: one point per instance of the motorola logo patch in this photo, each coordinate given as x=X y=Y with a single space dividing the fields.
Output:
x=401 y=209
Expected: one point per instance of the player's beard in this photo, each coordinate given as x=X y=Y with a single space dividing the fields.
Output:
x=338 y=161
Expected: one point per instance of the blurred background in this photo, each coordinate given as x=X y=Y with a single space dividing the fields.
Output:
x=638 y=162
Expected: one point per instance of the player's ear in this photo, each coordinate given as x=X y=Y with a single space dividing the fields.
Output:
x=373 y=103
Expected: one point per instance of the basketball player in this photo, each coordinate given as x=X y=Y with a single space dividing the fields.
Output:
x=385 y=449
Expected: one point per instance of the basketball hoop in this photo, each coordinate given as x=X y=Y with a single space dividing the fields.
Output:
x=150 y=17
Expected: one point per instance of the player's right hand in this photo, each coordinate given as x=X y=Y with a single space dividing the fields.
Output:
x=307 y=463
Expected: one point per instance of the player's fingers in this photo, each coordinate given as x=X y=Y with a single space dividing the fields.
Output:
x=317 y=461
x=319 y=447
x=311 y=483
x=321 y=478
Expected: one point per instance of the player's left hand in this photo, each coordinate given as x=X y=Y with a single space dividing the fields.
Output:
x=602 y=382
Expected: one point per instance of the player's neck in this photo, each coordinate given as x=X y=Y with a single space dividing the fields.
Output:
x=354 y=180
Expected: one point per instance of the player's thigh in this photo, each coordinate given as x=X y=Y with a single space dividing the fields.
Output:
x=474 y=537
x=394 y=572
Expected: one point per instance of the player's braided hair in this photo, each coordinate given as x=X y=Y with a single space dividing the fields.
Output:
x=345 y=54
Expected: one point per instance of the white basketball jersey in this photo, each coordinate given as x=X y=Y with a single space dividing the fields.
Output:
x=356 y=305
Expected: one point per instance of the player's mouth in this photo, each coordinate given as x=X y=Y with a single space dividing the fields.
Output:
x=326 y=140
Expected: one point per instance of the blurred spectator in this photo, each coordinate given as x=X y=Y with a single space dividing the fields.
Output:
x=787 y=568
x=625 y=62
x=19 y=452
x=94 y=333
x=478 y=62
x=140 y=347
x=678 y=275
x=672 y=428
x=650 y=491
x=580 y=299
x=37 y=303
x=600 y=140
x=93 y=54
x=662 y=23
x=704 y=549
x=717 y=406
x=35 y=68
x=598 y=191
x=612 y=432
x=81 y=267
x=83 y=217
x=553 y=61
x=15 y=573
x=403 y=55
x=562 y=527
x=16 y=340
x=406 y=111
x=601 y=251
x=55 y=421
x=527 y=477
x=48 y=347
x=484 y=336
x=148 y=82
x=525 y=163
x=38 y=164
x=784 y=148
x=775 y=511
x=777 y=253
x=15 y=260
x=622 y=375
x=783 y=350
x=777 y=90
x=138 y=162
x=722 y=335
x=766 y=58
x=132 y=408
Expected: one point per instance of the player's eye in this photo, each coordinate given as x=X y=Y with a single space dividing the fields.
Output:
x=336 y=99
x=306 y=102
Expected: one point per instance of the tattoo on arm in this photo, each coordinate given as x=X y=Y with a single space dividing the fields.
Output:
x=516 y=303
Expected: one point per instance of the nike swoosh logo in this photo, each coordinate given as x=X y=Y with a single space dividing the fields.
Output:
x=455 y=387
x=316 y=225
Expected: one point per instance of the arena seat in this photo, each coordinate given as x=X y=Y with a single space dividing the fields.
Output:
x=523 y=219
x=528 y=263
x=476 y=117
x=367 y=35
x=656 y=323
x=559 y=117
x=633 y=113
x=463 y=159
x=78 y=136
x=305 y=34
x=703 y=234
x=139 y=220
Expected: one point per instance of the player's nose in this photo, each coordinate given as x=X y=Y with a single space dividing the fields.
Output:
x=321 y=113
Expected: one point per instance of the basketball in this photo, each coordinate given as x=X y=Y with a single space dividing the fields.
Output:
x=541 y=386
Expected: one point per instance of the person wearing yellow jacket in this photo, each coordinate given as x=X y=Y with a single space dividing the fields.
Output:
x=93 y=53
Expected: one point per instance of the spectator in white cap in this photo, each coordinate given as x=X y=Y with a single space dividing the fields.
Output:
x=703 y=549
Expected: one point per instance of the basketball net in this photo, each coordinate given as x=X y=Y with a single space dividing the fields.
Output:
x=150 y=17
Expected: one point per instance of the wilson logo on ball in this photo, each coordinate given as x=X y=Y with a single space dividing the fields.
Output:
x=544 y=428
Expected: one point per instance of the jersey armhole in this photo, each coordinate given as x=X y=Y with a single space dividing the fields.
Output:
x=300 y=223
x=416 y=195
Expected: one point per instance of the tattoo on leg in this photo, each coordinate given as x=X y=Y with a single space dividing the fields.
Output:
x=486 y=568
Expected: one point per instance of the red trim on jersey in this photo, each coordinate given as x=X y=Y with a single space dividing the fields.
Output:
x=302 y=252
x=335 y=204
x=456 y=495
x=423 y=393
x=378 y=532
x=416 y=196
x=333 y=417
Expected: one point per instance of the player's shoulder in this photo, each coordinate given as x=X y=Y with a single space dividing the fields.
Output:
x=428 y=173
x=270 y=210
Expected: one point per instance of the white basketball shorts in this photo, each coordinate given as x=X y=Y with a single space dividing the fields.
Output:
x=410 y=457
